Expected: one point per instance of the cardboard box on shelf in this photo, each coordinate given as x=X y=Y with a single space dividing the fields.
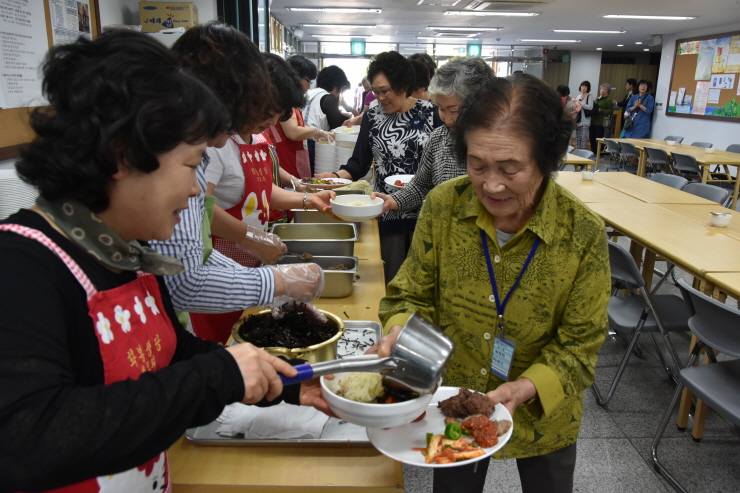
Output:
x=155 y=16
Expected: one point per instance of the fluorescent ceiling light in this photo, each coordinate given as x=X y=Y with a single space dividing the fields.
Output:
x=586 y=31
x=553 y=41
x=620 y=45
x=342 y=36
x=653 y=17
x=599 y=49
x=336 y=10
x=638 y=42
x=646 y=49
x=454 y=40
x=359 y=26
x=504 y=14
x=437 y=28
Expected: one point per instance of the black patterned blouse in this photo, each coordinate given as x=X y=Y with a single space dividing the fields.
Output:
x=396 y=142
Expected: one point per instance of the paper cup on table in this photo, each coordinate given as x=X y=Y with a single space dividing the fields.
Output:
x=709 y=151
x=720 y=219
x=587 y=175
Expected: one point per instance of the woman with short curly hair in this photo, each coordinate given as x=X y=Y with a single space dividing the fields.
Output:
x=394 y=132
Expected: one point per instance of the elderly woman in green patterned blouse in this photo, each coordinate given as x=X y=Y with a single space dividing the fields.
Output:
x=506 y=258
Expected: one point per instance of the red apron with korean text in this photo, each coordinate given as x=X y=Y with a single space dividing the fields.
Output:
x=253 y=209
x=135 y=335
x=292 y=154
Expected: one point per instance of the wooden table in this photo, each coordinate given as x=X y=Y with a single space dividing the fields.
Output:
x=206 y=469
x=703 y=159
x=700 y=214
x=577 y=161
x=592 y=191
x=648 y=190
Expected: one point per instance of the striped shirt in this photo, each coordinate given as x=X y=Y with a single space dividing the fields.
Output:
x=219 y=285
x=438 y=164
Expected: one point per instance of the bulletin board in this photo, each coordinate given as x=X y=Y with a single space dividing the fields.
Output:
x=14 y=121
x=705 y=82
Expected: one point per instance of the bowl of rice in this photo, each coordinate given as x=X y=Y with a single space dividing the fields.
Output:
x=355 y=208
x=352 y=396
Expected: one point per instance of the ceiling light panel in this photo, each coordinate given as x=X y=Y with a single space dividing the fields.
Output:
x=651 y=17
x=357 y=26
x=477 y=29
x=335 y=10
x=342 y=36
x=586 y=31
x=503 y=14
x=553 y=41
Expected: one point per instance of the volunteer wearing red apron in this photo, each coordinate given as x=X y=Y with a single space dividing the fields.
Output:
x=97 y=376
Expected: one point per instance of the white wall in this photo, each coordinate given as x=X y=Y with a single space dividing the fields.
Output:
x=584 y=65
x=721 y=134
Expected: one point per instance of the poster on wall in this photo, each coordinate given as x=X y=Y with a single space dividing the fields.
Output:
x=722 y=81
x=733 y=56
x=700 y=98
x=719 y=61
x=23 y=44
x=70 y=19
x=705 y=60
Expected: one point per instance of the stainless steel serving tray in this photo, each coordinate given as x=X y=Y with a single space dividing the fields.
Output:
x=333 y=240
x=358 y=337
x=337 y=283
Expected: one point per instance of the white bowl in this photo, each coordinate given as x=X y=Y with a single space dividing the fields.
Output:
x=372 y=415
x=354 y=213
x=587 y=175
x=670 y=142
x=390 y=181
x=720 y=219
x=709 y=151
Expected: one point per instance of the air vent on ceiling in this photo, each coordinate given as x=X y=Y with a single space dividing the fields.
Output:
x=503 y=6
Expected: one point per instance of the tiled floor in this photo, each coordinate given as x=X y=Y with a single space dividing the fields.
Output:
x=614 y=443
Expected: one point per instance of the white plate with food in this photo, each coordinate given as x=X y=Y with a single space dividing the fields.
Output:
x=406 y=443
x=325 y=183
x=397 y=182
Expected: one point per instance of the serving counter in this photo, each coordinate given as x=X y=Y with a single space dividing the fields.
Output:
x=228 y=469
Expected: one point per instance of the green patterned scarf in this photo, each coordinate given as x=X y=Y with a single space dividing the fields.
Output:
x=87 y=230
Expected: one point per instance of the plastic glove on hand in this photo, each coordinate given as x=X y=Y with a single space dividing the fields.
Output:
x=301 y=282
x=268 y=247
x=323 y=136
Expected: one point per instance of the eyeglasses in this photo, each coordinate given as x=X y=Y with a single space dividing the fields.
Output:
x=308 y=80
x=381 y=94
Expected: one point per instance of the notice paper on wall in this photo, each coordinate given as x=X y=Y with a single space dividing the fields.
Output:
x=700 y=98
x=713 y=97
x=705 y=59
x=733 y=57
x=722 y=81
x=23 y=44
x=672 y=99
x=69 y=20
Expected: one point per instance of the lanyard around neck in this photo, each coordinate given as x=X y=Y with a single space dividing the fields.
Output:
x=500 y=307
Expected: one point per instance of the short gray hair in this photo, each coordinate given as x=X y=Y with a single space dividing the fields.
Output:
x=607 y=85
x=460 y=77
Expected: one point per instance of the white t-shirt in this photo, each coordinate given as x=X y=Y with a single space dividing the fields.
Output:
x=225 y=171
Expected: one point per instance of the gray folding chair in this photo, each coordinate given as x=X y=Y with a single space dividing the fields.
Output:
x=657 y=158
x=686 y=165
x=627 y=151
x=673 y=181
x=570 y=149
x=612 y=147
x=676 y=138
x=703 y=145
x=709 y=192
x=586 y=154
x=635 y=313
x=733 y=148
x=717 y=384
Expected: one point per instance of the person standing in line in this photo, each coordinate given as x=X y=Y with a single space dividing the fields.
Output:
x=596 y=131
x=584 y=101
x=640 y=110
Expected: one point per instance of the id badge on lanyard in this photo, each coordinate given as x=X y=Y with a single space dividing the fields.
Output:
x=503 y=347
